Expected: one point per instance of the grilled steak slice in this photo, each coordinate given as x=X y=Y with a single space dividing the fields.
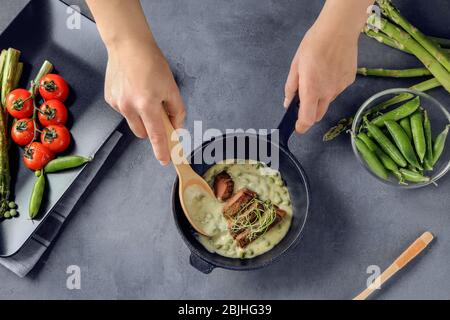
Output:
x=237 y=201
x=244 y=238
x=223 y=186
x=238 y=224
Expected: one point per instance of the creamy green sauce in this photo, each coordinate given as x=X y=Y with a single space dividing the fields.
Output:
x=267 y=183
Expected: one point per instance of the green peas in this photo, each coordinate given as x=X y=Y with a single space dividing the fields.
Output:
x=385 y=159
x=402 y=141
x=64 y=163
x=406 y=125
x=36 y=196
x=13 y=212
x=371 y=159
x=439 y=144
x=7 y=215
x=401 y=112
x=386 y=144
x=418 y=134
x=12 y=205
x=412 y=176
x=428 y=140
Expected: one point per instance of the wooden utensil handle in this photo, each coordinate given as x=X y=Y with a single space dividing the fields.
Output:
x=410 y=253
x=177 y=155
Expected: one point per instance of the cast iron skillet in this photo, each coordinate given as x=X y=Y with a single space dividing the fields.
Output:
x=292 y=173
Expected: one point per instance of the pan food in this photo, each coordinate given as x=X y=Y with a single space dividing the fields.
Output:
x=251 y=213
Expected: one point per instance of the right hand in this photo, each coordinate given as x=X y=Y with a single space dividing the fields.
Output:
x=140 y=85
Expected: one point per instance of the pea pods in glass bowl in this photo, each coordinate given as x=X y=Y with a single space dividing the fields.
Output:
x=400 y=137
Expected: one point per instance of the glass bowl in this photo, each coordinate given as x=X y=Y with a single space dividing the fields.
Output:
x=439 y=118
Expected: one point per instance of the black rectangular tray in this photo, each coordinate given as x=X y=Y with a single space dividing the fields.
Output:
x=40 y=32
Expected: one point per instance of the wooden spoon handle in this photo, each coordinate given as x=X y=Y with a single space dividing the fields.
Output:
x=176 y=150
x=413 y=250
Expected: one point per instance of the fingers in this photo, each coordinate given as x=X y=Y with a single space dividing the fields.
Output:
x=291 y=86
x=322 y=108
x=176 y=110
x=308 y=109
x=152 y=118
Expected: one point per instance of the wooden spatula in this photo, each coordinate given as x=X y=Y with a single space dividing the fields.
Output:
x=186 y=175
x=413 y=250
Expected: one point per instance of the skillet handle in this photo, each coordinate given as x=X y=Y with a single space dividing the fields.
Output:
x=287 y=124
x=200 y=264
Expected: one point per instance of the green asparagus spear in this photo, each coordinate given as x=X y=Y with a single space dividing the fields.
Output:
x=345 y=123
x=394 y=73
x=420 y=52
x=384 y=39
x=429 y=45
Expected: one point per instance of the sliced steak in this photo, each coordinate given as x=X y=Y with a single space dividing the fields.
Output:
x=223 y=186
x=237 y=201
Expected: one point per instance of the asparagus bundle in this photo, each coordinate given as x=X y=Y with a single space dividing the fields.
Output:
x=10 y=72
x=395 y=31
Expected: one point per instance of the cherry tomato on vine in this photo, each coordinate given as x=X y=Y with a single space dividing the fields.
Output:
x=52 y=112
x=56 y=138
x=36 y=156
x=19 y=103
x=53 y=86
x=22 y=131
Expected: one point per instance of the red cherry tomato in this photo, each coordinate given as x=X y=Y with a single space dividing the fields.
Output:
x=56 y=138
x=36 y=156
x=22 y=131
x=52 y=112
x=19 y=104
x=53 y=86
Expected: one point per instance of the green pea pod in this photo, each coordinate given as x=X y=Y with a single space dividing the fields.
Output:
x=406 y=125
x=371 y=159
x=412 y=176
x=428 y=140
x=386 y=144
x=385 y=159
x=418 y=134
x=36 y=196
x=402 y=141
x=427 y=165
x=65 y=163
x=399 y=113
x=439 y=144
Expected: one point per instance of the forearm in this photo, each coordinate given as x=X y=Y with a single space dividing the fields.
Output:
x=344 y=18
x=121 y=21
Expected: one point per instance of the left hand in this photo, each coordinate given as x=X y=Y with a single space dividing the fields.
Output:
x=324 y=66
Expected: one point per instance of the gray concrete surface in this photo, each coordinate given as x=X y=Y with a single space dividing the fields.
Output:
x=231 y=58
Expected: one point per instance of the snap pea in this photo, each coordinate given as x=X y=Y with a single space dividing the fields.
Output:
x=428 y=140
x=406 y=125
x=427 y=164
x=413 y=176
x=64 y=163
x=402 y=141
x=418 y=134
x=36 y=196
x=439 y=144
x=385 y=159
x=371 y=159
x=386 y=144
x=399 y=113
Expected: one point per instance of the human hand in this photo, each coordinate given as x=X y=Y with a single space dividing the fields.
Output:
x=324 y=66
x=140 y=85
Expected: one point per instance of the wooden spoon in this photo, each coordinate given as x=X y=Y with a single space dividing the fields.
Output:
x=413 y=250
x=186 y=175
